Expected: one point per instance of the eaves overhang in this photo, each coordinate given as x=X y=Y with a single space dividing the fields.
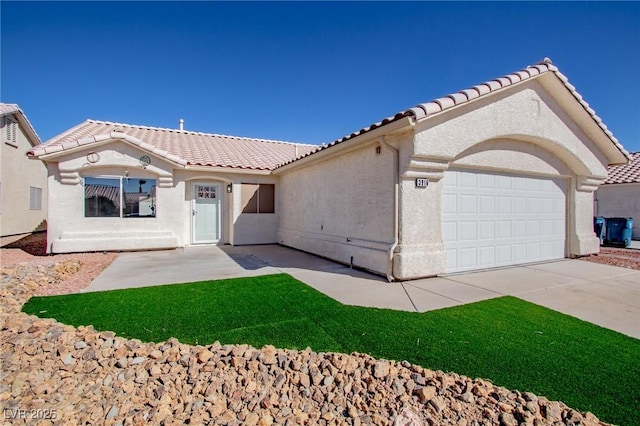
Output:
x=400 y=124
x=233 y=170
x=48 y=153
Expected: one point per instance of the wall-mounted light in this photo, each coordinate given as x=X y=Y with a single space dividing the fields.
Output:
x=378 y=150
x=229 y=189
x=126 y=174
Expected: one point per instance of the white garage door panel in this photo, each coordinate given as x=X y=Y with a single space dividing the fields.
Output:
x=493 y=219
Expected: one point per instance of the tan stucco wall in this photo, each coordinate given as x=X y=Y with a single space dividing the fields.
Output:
x=341 y=207
x=620 y=200
x=172 y=227
x=17 y=174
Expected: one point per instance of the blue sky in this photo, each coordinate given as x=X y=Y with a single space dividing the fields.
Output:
x=303 y=72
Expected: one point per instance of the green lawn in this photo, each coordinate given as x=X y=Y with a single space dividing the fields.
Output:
x=512 y=342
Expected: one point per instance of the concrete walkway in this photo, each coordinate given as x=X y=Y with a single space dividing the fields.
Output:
x=605 y=295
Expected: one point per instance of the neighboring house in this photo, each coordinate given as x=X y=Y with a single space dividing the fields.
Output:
x=498 y=174
x=619 y=196
x=23 y=183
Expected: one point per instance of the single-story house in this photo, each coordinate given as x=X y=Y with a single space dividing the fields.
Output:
x=498 y=174
x=23 y=183
x=619 y=195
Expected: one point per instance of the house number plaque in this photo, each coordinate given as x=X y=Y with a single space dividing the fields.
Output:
x=422 y=182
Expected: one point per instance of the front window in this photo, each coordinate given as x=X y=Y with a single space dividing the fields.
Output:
x=258 y=198
x=119 y=197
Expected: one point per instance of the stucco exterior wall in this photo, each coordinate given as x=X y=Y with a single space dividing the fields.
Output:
x=70 y=231
x=620 y=200
x=342 y=207
x=17 y=174
x=254 y=228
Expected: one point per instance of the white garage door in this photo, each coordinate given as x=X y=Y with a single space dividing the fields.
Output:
x=492 y=219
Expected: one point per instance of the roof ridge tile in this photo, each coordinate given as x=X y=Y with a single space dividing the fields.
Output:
x=193 y=132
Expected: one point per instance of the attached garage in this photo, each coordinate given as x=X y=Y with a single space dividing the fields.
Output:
x=499 y=174
x=494 y=219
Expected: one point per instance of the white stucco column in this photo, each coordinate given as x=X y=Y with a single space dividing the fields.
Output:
x=582 y=238
x=420 y=252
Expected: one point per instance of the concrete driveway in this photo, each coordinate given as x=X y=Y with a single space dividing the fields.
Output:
x=605 y=295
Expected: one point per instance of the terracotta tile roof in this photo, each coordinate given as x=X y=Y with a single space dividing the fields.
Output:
x=181 y=146
x=6 y=109
x=627 y=173
x=449 y=101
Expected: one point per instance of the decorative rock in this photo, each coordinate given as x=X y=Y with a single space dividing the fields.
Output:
x=113 y=411
x=418 y=379
x=426 y=393
x=266 y=420
x=327 y=381
x=204 y=356
x=138 y=360
x=142 y=377
x=67 y=359
x=467 y=397
x=408 y=417
x=553 y=412
x=381 y=369
x=238 y=362
x=251 y=419
x=155 y=354
x=438 y=403
x=507 y=419
x=268 y=355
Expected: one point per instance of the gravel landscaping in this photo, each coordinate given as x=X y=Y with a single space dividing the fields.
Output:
x=31 y=250
x=622 y=257
x=81 y=376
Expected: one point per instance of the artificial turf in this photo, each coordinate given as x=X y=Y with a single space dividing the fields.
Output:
x=512 y=342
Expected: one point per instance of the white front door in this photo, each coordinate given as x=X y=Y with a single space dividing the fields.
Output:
x=495 y=219
x=205 y=213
